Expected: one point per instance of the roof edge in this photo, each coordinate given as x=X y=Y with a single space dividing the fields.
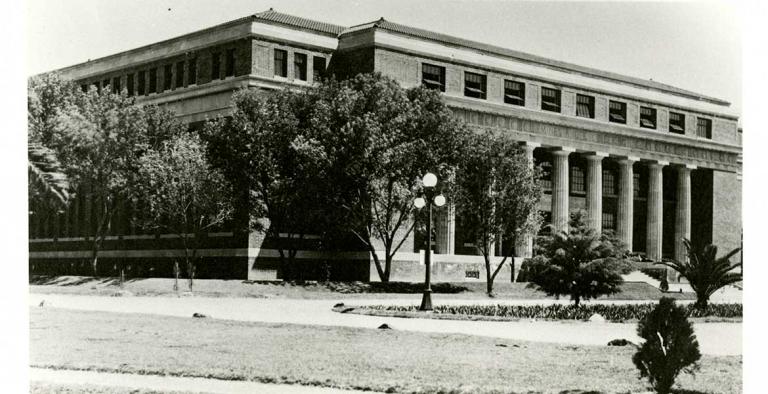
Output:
x=529 y=58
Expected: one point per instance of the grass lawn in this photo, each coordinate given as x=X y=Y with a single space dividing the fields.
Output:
x=315 y=290
x=47 y=388
x=380 y=360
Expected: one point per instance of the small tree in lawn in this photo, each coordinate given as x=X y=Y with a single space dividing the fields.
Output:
x=579 y=263
x=497 y=192
x=184 y=195
x=705 y=272
x=669 y=346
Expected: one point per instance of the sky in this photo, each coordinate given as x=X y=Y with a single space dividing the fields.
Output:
x=691 y=45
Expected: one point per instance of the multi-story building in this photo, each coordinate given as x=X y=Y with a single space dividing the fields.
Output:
x=651 y=161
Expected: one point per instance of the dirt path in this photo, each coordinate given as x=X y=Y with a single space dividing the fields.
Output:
x=172 y=383
x=714 y=338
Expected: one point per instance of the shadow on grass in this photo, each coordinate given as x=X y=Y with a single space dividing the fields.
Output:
x=46 y=280
x=367 y=287
x=678 y=391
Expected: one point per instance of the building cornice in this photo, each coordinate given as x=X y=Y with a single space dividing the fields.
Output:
x=589 y=136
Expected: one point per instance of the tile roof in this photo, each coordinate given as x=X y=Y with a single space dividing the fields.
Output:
x=456 y=41
x=295 y=21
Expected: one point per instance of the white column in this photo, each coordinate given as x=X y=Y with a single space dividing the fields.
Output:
x=625 y=220
x=445 y=229
x=524 y=242
x=683 y=211
x=560 y=213
x=595 y=190
x=655 y=210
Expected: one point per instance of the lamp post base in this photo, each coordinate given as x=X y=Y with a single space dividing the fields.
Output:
x=426 y=301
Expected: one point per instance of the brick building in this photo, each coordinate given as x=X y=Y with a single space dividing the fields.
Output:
x=651 y=161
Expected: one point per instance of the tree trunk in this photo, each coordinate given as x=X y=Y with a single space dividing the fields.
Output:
x=176 y=275
x=95 y=256
x=488 y=276
x=383 y=276
x=576 y=299
x=512 y=270
x=190 y=269
x=387 y=262
x=702 y=301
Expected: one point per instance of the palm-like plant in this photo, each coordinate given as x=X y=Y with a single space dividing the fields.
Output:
x=46 y=176
x=580 y=263
x=705 y=272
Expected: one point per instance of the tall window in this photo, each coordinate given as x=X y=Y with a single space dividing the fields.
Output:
x=514 y=92
x=192 y=71
x=281 y=63
x=116 y=85
x=617 y=112
x=639 y=188
x=180 y=74
x=153 y=80
x=546 y=176
x=648 y=117
x=167 y=77
x=609 y=183
x=550 y=99
x=676 y=123
x=230 y=72
x=433 y=76
x=318 y=68
x=609 y=221
x=474 y=85
x=142 y=83
x=129 y=84
x=585 y=106
x=104 y=84
x=300 y=66
x=704 y=128
x=577 y=180
x=216 y=65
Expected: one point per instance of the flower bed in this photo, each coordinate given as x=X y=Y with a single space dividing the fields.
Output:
x=613 y=313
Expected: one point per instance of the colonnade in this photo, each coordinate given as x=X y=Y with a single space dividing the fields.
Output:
x=561 y=156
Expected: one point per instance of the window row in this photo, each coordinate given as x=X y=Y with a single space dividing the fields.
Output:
x=174 y=75
x=475 y=86
x=578 y=185
x=577 y=181
x=299 y=65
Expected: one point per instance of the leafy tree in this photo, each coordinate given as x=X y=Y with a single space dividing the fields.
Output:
x=97 y=139
x=47 y=95
x=380 y=139
x=263 y=149
x=670 y=345
x=705 y=272
x=580 y=263
x=184 y=194
x=339 y=156
x=497 y=192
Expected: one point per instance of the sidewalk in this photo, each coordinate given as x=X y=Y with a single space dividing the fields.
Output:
x=172 y=383
x=714 y=338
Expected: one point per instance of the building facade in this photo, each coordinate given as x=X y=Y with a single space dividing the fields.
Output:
x=651 y=161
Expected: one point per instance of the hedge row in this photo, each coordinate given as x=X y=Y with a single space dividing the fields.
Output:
x=614 y=313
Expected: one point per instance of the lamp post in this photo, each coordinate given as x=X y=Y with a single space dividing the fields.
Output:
x=429 y=181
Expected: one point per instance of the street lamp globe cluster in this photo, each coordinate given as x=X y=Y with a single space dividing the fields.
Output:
x=429 y=181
